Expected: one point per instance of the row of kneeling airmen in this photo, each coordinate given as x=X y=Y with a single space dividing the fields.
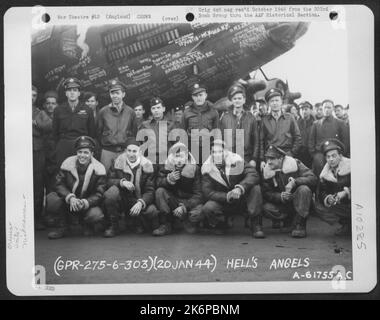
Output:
x=156 y=197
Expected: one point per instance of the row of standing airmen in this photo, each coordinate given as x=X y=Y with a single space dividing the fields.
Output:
x=117 y=122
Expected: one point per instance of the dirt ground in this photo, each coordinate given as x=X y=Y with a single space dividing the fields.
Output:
x=131 y=258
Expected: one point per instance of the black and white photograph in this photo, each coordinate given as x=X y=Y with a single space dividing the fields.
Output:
x=178 y=149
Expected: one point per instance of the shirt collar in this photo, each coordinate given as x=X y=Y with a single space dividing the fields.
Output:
x=281 y=114
x=73 y=105
x=155 y=121
x=115 y=108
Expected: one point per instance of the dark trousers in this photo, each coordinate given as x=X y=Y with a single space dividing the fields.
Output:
x=38 y=183
x=167 y=202
x=300 y=204
x=116 y=202
x=65 y=148
x=319 y=162
x=59 y=210
x=251 y=203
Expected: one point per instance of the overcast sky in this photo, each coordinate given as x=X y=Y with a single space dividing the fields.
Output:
x=316 y=66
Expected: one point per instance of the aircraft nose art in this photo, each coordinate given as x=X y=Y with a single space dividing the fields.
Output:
x=158 y=59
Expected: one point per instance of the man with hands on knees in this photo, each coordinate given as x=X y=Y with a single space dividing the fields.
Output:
x=230 y=186
x=78 y=191
x=287 y=191
x=131 y=185
x=179 y=192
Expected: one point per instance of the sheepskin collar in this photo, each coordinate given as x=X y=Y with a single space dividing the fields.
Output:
x=234 y=166
x=70 y=164
x=344 y=168
x=188 y=170
x=289 y=165
x=121 y=164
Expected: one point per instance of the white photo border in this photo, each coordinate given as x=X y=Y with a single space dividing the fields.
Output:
x=20 y=255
